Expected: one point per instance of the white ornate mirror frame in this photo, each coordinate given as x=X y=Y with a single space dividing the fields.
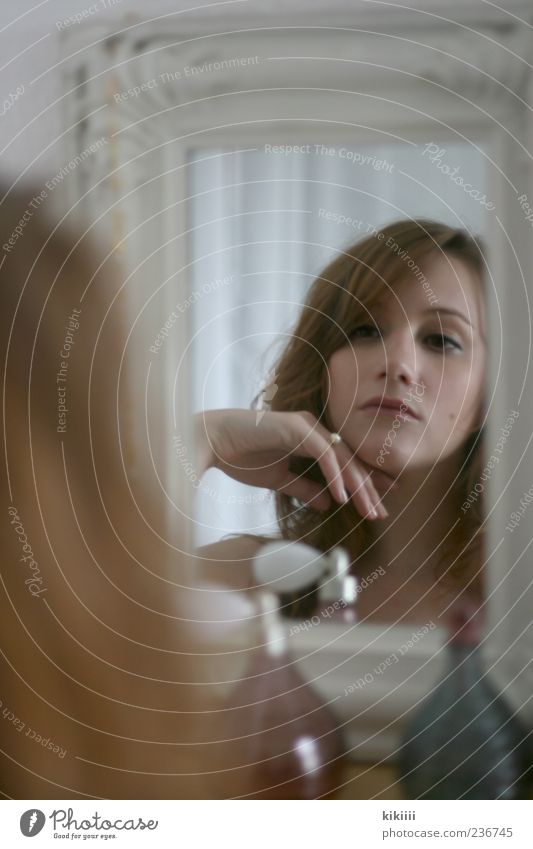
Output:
x=338 y=83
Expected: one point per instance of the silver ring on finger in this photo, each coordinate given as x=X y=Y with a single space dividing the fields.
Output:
x=335 y=438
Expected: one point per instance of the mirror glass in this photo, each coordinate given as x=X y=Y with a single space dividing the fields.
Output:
x=263 y=222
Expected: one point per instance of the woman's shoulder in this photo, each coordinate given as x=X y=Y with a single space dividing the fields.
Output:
x=229 y=561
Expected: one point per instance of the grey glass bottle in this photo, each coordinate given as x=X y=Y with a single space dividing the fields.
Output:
x=464 y=742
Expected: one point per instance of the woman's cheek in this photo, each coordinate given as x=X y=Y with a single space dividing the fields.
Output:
x=342 y=386
x=461 y=413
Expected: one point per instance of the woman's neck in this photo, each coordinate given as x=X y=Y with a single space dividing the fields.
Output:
x=422 y=511
x=409 y=543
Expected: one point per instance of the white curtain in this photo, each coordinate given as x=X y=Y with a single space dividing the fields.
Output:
x=263 y=223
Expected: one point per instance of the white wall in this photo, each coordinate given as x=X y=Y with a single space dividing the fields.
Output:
x=29 y=49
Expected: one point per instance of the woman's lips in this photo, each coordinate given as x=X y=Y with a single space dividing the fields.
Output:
x=391 y=412
x=390 y=404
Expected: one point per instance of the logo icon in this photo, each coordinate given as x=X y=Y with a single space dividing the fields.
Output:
x=265 y=397
x=32 y=822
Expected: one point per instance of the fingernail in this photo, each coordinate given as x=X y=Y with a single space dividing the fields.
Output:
x=370 y=509
x=345 y=496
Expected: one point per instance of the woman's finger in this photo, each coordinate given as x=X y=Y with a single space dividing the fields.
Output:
x=364 y=495
x=311 y=493
x=381 y=480
x=375 y=496
x=312 y=442
x=341 y=471
x=361 y=485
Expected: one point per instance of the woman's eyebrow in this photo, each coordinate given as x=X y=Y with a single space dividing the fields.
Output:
x=452 y=312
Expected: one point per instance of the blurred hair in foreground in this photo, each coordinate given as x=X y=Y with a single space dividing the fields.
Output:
x=105 y=692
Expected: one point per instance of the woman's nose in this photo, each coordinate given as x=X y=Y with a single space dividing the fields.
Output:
x=399 y=359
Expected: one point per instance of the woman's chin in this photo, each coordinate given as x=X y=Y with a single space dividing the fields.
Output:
x=391 y=465
x=391 y=460
x=373 y=452
x=395 y=463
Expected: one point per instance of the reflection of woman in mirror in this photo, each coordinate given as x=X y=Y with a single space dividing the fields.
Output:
x=389 y=353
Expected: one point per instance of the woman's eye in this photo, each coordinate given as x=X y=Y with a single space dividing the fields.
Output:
x=364 y=329
x=444 y=342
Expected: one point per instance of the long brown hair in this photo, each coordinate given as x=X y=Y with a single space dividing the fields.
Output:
x=343 y=293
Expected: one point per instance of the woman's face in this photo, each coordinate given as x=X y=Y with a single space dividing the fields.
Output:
x=411 y=349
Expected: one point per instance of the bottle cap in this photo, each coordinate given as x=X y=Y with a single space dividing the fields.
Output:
x=285 y=566
x=340 y=586
x=349 y=589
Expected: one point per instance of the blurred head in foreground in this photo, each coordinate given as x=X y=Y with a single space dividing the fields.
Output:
x=102 y=686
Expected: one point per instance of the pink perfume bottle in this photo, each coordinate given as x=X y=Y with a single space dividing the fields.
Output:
x=290 y=744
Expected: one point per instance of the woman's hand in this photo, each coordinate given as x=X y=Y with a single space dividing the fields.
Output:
x=255 y=448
